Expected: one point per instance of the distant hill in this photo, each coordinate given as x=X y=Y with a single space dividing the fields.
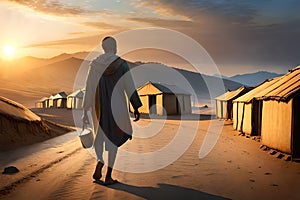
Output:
x=48 y=78
x=206 y=87
x=43 y=77
x=55 y=77
x=21 y=65
x=84 y=55
x=208 y=81
x=253 y=79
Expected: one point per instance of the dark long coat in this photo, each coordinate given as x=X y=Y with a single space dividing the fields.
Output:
x=115 y=83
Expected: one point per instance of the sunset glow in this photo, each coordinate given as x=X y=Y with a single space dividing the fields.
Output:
x=8 y=51
x=240 y=37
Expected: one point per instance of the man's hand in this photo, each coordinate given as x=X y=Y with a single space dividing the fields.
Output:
x=136 y=115
x=85 y=118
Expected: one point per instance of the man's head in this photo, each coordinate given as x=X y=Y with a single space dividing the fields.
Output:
x=109 y=45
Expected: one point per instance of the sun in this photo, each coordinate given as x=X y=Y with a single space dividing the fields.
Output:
x=8 y=50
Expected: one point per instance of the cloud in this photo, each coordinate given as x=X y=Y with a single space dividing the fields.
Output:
x=53 y=7
x=77 y=33
x=234 y=32
x=232 y=10
x=170 y=23
x=101 y=25
x=251 y=33
x=88 y=41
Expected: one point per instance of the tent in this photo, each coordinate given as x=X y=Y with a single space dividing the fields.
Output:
x=74 y=100
x=42 y=103
x=163 y=99
x=60 y=100
x=50 y=101
x=281 y=114
x=224 y=102
x=247 y=109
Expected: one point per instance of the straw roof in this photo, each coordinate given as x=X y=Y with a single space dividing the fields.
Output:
x=280 y=88
x=285 y=88
x=42 y=99
x=77 y=94
x=61 y=95
x=258 y=91
x=161 y=89
x=229 y=95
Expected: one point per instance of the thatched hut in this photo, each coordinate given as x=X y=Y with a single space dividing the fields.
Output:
x=60 y=100
x=42 y=103
x=163 y=99
x=281 y=114
x=247 y=110
x=74 y=100
x=224 y=102
x=50 y=102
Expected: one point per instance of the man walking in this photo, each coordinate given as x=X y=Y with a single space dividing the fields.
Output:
x=108 y=78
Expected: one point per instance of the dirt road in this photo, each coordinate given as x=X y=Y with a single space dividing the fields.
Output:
x=236 y=168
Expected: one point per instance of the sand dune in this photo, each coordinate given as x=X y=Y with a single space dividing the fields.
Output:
x=20 y=126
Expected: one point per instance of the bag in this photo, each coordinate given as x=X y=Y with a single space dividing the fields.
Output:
x=87 y=135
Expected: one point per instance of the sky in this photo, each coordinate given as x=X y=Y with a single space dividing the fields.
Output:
x=241 y=36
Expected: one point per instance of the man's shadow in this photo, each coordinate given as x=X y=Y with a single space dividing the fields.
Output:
x=165 y=191
x=188 y=117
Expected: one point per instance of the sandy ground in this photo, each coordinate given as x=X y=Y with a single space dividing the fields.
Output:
x=236 y=168
x=61 y=116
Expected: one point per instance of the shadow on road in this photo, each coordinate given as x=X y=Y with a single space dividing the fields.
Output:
x=165 y=191
x=189 y=117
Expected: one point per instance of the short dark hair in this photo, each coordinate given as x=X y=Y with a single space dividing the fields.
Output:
x=106 y=38
x=109 y=44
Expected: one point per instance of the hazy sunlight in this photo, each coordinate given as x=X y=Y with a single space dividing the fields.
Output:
x=8 y=51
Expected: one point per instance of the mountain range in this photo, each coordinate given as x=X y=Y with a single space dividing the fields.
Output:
x=252 y=79
x=28 y=79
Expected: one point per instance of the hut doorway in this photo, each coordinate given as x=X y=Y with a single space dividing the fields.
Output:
x=296 y=127
x=177 y=106
x=256 y=117
x=152 y=104
x=222 y=109
x=229 y=110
